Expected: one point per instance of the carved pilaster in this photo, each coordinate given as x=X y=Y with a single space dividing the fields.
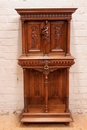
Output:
x=25 y=95
x=68 y=39
x=23 y=38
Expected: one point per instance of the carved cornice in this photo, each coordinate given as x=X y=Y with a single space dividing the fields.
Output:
x=44 y=13
x=32 y=63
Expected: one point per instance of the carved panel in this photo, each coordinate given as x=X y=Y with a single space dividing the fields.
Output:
x=33 y=36
x=36 y=84
x=58 y=36
x=55 y=86
x=36 y=88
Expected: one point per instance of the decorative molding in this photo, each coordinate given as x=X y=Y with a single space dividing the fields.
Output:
x=45 y=15
x=31 y=63
x=62 y=62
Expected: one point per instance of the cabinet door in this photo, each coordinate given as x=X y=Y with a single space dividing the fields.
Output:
x=38 y=38
x=58 y=36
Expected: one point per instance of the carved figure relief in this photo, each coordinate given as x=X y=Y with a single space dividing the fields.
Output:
x=45 y=38
x=44 y=32
x=34 y=36
x=57 y=35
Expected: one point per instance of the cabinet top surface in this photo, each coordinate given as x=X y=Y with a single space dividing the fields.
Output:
x=46 y=57
x=48 y=10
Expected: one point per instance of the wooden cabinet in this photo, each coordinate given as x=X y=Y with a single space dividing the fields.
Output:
x=46 y=60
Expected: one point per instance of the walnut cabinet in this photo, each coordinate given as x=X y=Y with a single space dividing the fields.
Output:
x=46 y=60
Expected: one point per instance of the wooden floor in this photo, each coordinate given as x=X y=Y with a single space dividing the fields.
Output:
x=9 y=122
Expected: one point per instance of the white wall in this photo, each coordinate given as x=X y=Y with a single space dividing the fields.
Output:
x=11 y=81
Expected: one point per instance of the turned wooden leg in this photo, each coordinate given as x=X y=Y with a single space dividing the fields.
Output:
x=46 y=82
x=46 y=93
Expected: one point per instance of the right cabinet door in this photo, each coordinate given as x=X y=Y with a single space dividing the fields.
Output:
x=58 y=36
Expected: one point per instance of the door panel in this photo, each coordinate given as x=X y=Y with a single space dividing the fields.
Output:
x=58 y=36
x=33 y=36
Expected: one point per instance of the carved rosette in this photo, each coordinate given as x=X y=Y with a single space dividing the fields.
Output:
x=30 y=63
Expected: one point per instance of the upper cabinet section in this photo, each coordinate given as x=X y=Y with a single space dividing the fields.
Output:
x=46 y=31
x=46 y=36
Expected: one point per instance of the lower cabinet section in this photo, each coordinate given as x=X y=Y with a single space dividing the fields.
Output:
x=46 y=95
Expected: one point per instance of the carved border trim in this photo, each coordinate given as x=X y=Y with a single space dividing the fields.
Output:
x=45 y=15
x=42 y=62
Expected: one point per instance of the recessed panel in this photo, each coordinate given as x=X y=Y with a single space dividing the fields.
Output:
x=58 y=36
x=33 y=36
